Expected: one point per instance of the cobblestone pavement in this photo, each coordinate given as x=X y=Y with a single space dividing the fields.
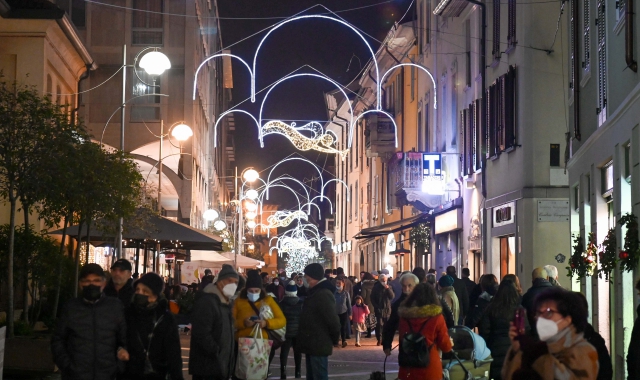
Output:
x=351 y=362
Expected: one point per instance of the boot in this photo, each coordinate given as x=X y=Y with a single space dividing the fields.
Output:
x=297 y=373
x=283 y=372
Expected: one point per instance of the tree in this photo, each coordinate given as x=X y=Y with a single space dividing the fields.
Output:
x=31 y=128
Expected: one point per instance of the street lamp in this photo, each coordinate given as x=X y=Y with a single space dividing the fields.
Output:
x=249 y=175
x=210 y=215
x=181 y=132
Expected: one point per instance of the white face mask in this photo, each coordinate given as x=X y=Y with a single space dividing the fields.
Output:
x=546 y=328
x=229 y=290
x=276 y=283
x=253 y=297
x=338 y=288
x=305 y=283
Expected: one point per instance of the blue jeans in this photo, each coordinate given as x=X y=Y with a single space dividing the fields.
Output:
x=317 y=367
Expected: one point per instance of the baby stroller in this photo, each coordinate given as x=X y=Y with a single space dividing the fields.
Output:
x=470 y=358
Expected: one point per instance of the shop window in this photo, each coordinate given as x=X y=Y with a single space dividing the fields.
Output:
x=627 y=163
x=607 y=180
x=507 y=255
x=147 y=25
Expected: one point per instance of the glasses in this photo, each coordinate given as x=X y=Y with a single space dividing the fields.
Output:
x=546 y=314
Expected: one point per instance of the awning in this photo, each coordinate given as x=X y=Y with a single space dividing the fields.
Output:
x=209 y=256
x=392 y=227
x=243 y=261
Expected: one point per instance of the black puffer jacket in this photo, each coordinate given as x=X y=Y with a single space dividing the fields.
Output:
x=381 y=297
x=494 y=328
x=164 y=348
x=212 y=351
x=319 y=327
x=124 y=295
x=477 y=311
x=291 y=308
x=87 y=337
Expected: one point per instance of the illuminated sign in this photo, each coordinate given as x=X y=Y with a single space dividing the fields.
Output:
x=449 y=221
x=432 y=174
x=504 y=214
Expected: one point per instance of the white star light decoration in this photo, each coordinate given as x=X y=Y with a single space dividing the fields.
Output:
x=322 y=142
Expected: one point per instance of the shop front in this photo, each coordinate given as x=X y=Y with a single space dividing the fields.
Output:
x=503 y=236
x=447 y=236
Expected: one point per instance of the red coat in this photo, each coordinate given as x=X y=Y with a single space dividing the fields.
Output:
x=435 y=330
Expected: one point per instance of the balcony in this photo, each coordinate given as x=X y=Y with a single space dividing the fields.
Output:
x=417 y=176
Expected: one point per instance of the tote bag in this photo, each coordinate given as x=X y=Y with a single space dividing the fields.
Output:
x=253 y=356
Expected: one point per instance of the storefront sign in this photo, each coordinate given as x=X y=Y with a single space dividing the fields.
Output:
x=432 y=174
x=449 y=221
x=504 y=214
x=553 y=211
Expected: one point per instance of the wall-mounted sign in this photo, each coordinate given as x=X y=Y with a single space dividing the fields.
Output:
x=504 y=214
x=448 y=221
x=432 y=174
x=553 y=211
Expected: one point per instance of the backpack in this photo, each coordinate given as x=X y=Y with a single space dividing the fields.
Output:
x=415 y=349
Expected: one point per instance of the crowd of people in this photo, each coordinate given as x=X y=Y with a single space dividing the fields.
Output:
x=123 y=328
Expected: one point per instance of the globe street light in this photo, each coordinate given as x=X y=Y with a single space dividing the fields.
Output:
x=219 y=225
x=182 y=132
x=250 y=175
x=252 y=194
x=211 y=215
x=155 y=63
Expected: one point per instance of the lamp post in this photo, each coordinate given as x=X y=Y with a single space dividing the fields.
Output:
x=249 y=175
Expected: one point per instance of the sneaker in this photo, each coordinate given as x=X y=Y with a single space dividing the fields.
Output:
x=344 y=344
x=378 y=344
x=358 y=345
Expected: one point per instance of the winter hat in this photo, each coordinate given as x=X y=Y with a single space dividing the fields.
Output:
x=123 y=264
x=384 y=271
x=315 y=271
x=226 y=272
x=253 y=280
x=291 y=290
x=91 y=269
x=152 y=281
x=445 y=281
x=374 y=273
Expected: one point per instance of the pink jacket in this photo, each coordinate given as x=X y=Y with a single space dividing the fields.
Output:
x=360 y=313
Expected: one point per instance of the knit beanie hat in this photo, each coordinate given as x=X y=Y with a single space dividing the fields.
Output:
x=91 y=269
x=253 y=279
x=291 y=290
x=445 y=281
x=152 y=281
x=315 y=271
x=226 y=272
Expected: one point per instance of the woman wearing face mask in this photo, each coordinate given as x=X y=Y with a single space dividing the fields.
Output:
x=302 y=290
x=247 y=309
x=343 y=308
x=562 y=352
x=276 y=287
x=152 y=333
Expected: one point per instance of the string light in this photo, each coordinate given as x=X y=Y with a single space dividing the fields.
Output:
x=322 y=143
x=284 y=218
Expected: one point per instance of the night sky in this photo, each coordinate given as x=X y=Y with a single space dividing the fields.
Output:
x=329 y=47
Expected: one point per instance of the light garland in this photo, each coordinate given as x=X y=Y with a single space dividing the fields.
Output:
x=322 y=143
x=284 y=218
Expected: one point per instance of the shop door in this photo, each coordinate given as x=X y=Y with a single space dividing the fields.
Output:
x=476 y=265
x=507 y=256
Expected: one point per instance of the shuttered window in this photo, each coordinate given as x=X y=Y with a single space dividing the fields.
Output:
x=586 y=34
x=472 y=136
x=501 y=114
x=572 y=47
x=511 y=34
x=602 y=62
x=496 y=31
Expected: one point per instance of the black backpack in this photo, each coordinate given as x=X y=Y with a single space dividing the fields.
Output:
x=415 y=349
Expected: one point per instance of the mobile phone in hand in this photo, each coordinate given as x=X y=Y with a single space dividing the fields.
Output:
x=519 y=319
x=254 y=318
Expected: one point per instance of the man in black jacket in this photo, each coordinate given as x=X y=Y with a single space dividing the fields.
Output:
x=381 y=297
x=212 y=353
x=319 y=328
x=460 y=288
x=121 y=284
x=90 y=336
x=539 y=277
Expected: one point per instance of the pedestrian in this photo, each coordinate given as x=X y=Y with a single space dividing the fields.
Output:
x=460 y=288
x=562 y=352
x=357 y=288
x=495 y=323
x=327 y=274
x=408 y=282
x=633 y=353
x=212 y=349
x=206 y=280
x=291 y=307
x=255 y=307
x=359 y=312
x=475 y=292
x=605 y=367
x=121 y=284
x=421 y=313
x=516 y=281
x=552 y=272
x=276 y=288
x=265 y=279
x=153 y=342
x=540 y=284
x=381 y=297
x=396 y=287
x=448 y=294
x=489 y=285
x=468 y=282
x=343 y=309
x=367 y=287
x=446 y=309
x=302 y=291
x=348 y=285
x=91 y=334
x=319 y=328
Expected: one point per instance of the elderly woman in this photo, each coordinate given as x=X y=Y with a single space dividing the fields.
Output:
x=408 y=282
x=562 y=352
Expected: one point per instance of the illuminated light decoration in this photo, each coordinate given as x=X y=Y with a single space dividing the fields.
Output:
x=287 y=160
x=252 y=194
x=250 y=215
x=433 y=81
x=284 y=22
x=155 y=63
x=211 y=214
x=284 y=218
x=233 y=110
x=219 y=225
x=322 y=143
x=395 y=126
x=181 y=132
x=251 y=224
x=250 y=206
x=195 y=77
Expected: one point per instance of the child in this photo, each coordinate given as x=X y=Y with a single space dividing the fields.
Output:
x=360 y=312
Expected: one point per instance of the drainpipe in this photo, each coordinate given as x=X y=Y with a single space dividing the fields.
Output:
x=576 y=75
x=84 y=76
x=628 y=36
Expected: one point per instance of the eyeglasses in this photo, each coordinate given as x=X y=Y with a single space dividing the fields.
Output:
x=547 y=314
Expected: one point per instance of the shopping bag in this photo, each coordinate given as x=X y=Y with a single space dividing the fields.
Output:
x=278 y=335
x=253 y=356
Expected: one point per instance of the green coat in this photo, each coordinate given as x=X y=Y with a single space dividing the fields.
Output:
x=319 y=328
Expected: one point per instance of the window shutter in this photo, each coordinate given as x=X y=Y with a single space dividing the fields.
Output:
x=511 y=35
x=510 y=108
x=496 y=30
x=478 y=134
x=466 y=132
x=602 y=57
x=586 y=33
x=572 y=53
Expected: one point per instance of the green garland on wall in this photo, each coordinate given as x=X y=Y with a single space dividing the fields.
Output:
x=421 y=236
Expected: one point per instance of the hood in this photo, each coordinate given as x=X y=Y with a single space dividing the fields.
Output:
x=425 y=311
x=290 y=301
x=213 y=289
x=323 y=284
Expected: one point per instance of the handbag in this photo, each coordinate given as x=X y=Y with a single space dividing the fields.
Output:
x=276 y=336
x=253 y=356
x=148 y=367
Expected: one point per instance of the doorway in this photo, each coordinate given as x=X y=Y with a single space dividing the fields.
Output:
x=507 y=255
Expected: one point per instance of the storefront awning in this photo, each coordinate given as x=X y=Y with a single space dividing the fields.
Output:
x=392 y=227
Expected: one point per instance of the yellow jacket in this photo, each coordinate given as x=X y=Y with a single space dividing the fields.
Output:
x=242 y=310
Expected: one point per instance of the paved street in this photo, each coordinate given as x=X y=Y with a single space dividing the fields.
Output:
x=346 y=363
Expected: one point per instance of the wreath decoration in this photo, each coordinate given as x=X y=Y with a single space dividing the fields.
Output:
x=608 y=255
x=583 y=262
x=631 y=254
